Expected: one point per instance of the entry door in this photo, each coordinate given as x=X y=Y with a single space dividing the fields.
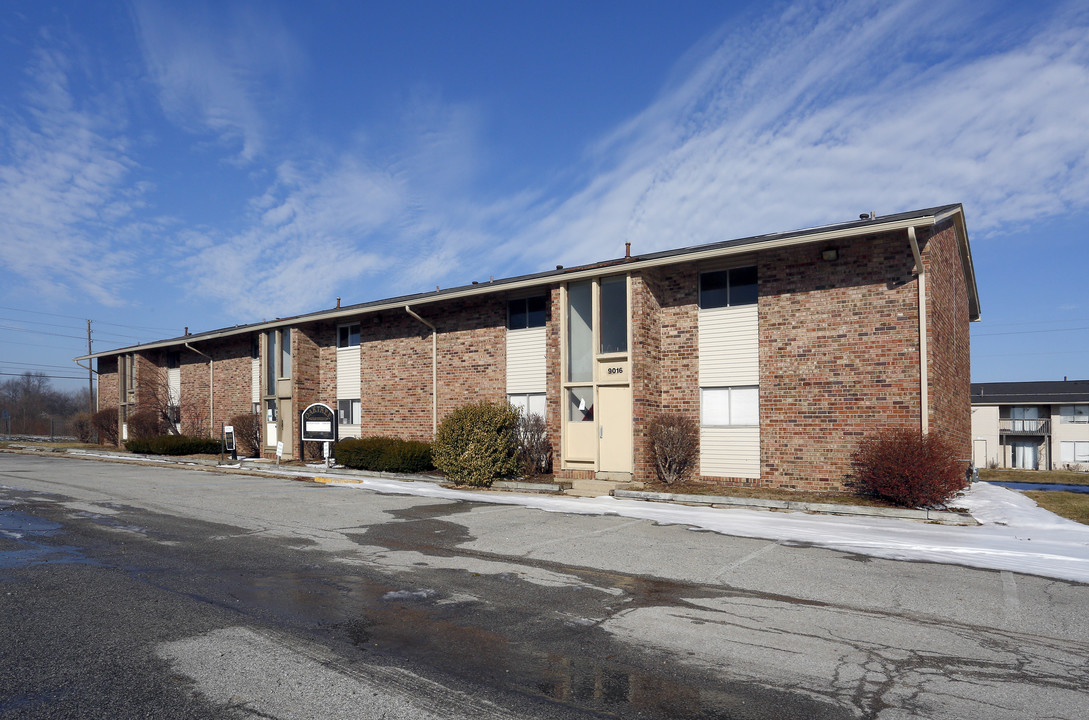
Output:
x=614 y=428
x=1025 y=455
x=979 y=453
x=285 y=425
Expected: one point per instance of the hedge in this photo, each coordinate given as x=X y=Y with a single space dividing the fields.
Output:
x=383 y=454
x=173 y=445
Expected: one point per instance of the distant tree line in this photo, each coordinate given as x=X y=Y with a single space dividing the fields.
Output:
x=34 y=407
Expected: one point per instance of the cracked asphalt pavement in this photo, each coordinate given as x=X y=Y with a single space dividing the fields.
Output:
x=135 y=591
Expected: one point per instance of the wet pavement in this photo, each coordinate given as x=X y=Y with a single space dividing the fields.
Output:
x=137 y=592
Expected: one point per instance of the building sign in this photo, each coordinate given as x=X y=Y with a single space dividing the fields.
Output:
x=228 y=437
x=319 y=423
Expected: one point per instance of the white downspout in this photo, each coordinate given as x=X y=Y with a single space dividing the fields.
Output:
x=434 y=370
x=211 y=390
x=924 y=393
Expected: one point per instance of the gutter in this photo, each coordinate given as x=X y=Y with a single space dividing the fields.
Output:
x=211 y=389
x=434 y=370
x=924 y=390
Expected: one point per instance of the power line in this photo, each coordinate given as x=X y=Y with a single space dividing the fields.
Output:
x=1030 y=332
x=53 y=377
x=97 y=322
x=26 y=364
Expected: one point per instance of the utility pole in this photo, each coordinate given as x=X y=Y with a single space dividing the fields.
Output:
x=90 y=375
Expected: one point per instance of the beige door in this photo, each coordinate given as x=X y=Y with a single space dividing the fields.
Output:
x=979 y=453
x=614 y=428
x=284 y=431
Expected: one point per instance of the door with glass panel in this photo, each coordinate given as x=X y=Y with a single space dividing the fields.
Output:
x=276 y=390
x=597 y=432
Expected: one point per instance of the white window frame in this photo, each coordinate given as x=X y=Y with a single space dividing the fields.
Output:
x=729 y=417
x=523 y=402
x=1074 y=451
x=1076 y=414
x=354 y=411
x=348 y=327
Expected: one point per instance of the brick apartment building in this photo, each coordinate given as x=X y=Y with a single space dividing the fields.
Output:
x=785 y=348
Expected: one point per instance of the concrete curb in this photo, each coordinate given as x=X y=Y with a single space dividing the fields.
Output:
x=944 y=517
x=519 y=486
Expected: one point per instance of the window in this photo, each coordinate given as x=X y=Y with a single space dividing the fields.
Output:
x=270 y=408
x=285 y=353
x=257 y=408
x=1074 y=452
x=175 y=413
x=1074 y=413
x=526 y=313
x=728 y=288
x=255 y=347
x=529 y=403
x=730 y=406
x=173 y=360
x=613 y=301
x=580 y=332
x=580 y=404
x=348 y=336
x=348 y=411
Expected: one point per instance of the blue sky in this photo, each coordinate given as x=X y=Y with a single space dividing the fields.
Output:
x=204 y=164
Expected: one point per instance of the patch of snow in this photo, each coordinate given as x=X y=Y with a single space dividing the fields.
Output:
x=1015 y=534
x=410 y=594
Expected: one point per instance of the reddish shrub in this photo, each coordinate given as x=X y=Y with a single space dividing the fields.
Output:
x=907 y=468
x=105 y=424
x=674 y=440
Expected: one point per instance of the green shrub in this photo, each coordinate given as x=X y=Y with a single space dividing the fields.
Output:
x=907 y=468
x=381 y=454
x=477 y=444
x=173 y=445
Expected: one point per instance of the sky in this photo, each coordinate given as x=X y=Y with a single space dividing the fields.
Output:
x=204 y=164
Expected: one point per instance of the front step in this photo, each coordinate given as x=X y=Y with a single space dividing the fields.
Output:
x=591 y=488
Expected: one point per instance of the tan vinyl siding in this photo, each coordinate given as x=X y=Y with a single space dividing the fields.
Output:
x=526 y=367
x=173 y=384
x=729 y=356
x=729 y=346
x=348 y=373
x=730 y=452
x=255 y=379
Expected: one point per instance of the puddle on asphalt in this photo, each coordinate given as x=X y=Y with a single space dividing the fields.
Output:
x=532 y=648
x=20 y=544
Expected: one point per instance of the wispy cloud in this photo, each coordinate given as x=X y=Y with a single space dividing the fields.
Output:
x=66 y=198
x=812 y=117
x=215 y=77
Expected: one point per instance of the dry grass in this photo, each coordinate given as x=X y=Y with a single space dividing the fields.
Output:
x=1071 y=505
x=1059 y=477
x=51 y=445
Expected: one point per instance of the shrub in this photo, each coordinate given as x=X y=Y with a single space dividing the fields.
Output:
x=907 y=468
x=674 y=440
x=173 y=445
x=534 y=449
x=106 y=425
x=247 y=434
x=82 y=425
x=477 y=444
x=381 y=454
x=145 y=423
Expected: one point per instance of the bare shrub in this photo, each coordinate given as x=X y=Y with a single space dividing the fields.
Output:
x=194 y=420
x=82 y=425
x=145 y=423
x=105 y=423
x=907 y=468
x=674 y=440
x=247 y=433
x=534 y=448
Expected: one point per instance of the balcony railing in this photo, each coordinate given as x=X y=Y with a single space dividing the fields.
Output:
x=1017 y=426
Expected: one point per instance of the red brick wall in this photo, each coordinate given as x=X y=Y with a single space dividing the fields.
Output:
x=646 y=358
x=839 y=355
x=554 y=395
x=949 y=367
x=233 y=384
x=107 y=383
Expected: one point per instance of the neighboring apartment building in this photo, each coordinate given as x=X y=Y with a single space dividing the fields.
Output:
x=786 y=349
x=1031 y=425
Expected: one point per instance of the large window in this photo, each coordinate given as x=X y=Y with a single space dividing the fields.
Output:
x=580 y=332
x=1074 y=452
x=721 y=406
x=526 y=313
x=1074 y=413
x=348 y=336
x=613 y=312
x=727 y=288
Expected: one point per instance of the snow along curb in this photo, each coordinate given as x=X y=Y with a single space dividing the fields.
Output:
x=944 y=517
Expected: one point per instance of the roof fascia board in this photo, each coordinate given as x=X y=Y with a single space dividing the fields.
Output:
x=802 y=238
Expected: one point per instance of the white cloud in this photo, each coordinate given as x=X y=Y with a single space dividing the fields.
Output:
x=64 y=195
x=815 y=117
x=220 y=78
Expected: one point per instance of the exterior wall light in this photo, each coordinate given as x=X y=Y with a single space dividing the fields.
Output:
x=830 y=254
